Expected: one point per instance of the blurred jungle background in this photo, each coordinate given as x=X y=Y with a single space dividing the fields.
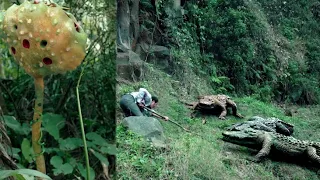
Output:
x=263 y=53
x=64 y=152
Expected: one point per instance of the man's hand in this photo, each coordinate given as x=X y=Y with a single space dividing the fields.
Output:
x=165 y=118
x=141 y=104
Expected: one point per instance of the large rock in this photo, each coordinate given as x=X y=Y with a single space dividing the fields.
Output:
x=148 y=127
x=154 y=54
x=129 y=66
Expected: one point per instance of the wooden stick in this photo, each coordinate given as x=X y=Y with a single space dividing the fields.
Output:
x=153 y=111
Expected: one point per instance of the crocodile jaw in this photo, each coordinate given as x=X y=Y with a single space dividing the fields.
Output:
x=241 y=138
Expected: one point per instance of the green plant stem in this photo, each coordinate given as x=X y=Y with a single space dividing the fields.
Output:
x=36 y=126
x=82 y=128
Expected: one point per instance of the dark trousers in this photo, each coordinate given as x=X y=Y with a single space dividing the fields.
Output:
x=129 y=107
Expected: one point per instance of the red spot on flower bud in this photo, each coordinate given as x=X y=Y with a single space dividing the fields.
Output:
x=26 y=44
x=77 y=27
x=47 y=61
x=13 y=50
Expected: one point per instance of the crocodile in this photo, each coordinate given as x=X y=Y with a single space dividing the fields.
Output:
x=215 y=103
x=274 y=142
x=266 y=124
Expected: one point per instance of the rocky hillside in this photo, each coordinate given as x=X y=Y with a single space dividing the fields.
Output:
x=267 y=49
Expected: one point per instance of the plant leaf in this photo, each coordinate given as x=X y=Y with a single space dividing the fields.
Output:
x=12 y=122
x=63 y=169
x=56 y=161
x=56 y=172
x=110 y=149
x=103 y=159
x=91 y=145
x=66 y=168
x=25 y=128
x=83 y=172
x=14 y=153
x=52 y=123
x=7 y=173
x=70 y=144
x=96 y=139
x=72 y=161
x=21 y=177
x=52 y=149
x=26 y=150
x=15 y=125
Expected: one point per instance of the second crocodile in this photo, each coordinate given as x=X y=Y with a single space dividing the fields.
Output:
x=275 y=142
x=266 y=124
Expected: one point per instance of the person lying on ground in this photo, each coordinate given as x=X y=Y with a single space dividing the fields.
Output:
x=132 y=104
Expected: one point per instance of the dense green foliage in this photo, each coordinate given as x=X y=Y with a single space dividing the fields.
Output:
x=263 y=48
x=61 y=150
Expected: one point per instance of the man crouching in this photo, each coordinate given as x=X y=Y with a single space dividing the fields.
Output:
x=133 y=104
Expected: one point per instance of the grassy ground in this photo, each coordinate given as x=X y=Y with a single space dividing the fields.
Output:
x=193 y=157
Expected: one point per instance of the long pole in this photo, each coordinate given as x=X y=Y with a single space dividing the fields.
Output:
x=153 y=111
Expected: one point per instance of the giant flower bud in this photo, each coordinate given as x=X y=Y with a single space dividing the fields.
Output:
x=44 y=39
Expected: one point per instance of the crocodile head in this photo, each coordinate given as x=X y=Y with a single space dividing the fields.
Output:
x=247 y=137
